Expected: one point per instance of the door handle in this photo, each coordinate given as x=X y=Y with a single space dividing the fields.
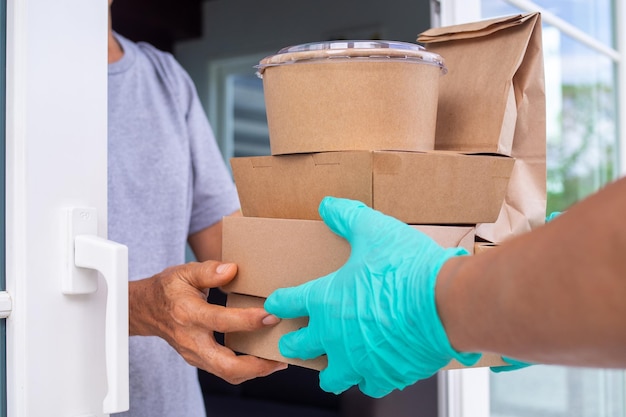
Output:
x=111 y=260
x=91 y=253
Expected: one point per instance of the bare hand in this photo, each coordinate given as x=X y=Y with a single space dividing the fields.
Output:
x=173 y=306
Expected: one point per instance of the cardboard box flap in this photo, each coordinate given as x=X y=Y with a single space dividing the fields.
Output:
x=277 y=186
x=314 y=159
x=435 y=187
x=257 y=162
x=472 y=30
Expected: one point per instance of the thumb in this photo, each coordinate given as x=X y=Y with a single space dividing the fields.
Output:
x=289 y=303
x=343 y=216
x=351 y=218
x=209 y=274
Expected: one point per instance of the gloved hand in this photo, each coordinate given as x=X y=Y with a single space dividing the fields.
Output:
x=375 y=318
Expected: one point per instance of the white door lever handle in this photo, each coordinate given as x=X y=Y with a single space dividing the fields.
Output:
x=89 y=254
x=111 y=260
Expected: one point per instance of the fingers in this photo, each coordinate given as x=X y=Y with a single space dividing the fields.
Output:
x=337 y=379
x=374 y=390
x=340 y=214
x=348 y=218
x=212 y=274
x=235 y=369
x=289 y=303
x=301 y=344
x=227 y=319
x=188 y=321
x=203 y=275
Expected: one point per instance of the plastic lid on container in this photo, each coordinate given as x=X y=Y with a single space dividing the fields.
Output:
x=351 y=50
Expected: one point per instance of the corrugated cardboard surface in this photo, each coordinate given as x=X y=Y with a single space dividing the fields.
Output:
x=276 y=253
x=415 y=187
x=264 y=343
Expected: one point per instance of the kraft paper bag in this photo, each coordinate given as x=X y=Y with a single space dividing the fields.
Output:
x=492 y=100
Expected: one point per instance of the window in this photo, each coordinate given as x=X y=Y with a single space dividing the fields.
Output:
x=237 y=109
x=583 y=94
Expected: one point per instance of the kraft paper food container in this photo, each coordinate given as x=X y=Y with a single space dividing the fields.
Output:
x=351 y=95
x=276 y=253
x=264 y=342
x=493 y=100
x=436 y=187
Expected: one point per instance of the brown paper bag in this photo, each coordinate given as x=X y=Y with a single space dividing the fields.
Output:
x=493 y=101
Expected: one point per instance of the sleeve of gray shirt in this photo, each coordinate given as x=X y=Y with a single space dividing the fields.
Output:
x=214 y=193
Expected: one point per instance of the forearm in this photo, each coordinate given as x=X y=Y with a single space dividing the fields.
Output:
x=555 y=295
x=143 y=319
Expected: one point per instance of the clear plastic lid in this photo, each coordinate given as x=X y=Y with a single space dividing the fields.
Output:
x=351 y=50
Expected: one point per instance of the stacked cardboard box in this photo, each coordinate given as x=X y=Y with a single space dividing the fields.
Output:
x=282 y=242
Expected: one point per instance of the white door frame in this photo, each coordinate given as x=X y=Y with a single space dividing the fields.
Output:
x=67 y=332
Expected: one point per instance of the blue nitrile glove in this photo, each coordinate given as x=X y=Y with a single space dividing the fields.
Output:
x=375 y=318
x=514 y=363
x=552 y=216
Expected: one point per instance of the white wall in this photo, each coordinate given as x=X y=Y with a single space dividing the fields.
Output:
x=244 y=27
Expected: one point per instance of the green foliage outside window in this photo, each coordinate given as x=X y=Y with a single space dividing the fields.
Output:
x=582 y=159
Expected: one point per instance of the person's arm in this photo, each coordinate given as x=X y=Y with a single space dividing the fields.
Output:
x=556 y=295
x=403 y=306
x=172 y=305
x=207 y=243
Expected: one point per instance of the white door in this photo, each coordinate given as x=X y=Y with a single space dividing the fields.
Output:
x=66 y=286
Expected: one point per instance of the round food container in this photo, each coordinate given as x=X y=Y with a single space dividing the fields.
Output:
x=351 y=95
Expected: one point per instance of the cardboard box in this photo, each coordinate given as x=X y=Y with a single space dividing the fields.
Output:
x=264 y=343
x=276 y=253
x=415 y=187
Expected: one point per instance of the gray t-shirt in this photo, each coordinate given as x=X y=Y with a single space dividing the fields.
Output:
x=167 y=179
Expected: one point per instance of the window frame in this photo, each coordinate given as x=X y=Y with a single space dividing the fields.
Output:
x=466 y=393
